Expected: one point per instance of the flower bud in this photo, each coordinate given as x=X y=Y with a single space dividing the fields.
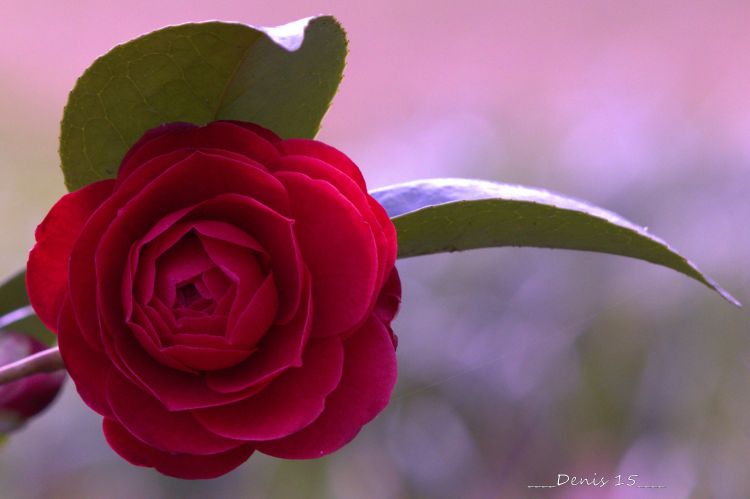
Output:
x=26 y=397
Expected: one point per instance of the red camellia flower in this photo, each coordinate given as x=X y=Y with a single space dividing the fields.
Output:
x=228 y=292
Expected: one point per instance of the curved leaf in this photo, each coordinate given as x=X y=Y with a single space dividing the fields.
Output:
x=13 y=293
x=282 y=78
x=12 y=298
x=439 y=215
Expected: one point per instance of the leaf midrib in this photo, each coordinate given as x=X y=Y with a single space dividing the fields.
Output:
x=220 y=102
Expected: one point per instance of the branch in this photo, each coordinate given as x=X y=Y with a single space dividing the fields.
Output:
x=46 y=361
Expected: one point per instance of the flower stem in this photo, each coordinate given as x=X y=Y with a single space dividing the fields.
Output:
x=45 y=361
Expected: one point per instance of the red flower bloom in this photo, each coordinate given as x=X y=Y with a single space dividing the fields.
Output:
x=229 y=292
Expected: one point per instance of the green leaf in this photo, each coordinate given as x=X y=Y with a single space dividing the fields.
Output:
x=13 y=297
x=283 y=78
x=13 y=293
x=439 y=215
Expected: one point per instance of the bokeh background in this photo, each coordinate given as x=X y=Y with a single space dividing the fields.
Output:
x=515 y=364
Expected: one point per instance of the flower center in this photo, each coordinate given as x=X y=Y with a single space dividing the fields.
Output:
x=188 y=294
x=203 y=295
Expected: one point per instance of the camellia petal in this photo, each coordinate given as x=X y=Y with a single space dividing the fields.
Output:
x=343 y=287
x=280 y=349
x=204 y=358
x=325 y=153
x=147 y=419
x=254 y=320
x=129 y=163
x=390 y=299
x=263 y=132
x=217 y=136
x=85 y=365
x=178 y=465
x=47 y=270
x=365 y=389
x=177 y=390
x=288 y=403
x=152 y=345
x=367 y=207
x=390 y=252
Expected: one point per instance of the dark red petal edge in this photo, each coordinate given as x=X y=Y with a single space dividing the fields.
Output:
x=323 y=152
x=87 y=367
x=187 y=466
x=365 y=389
x=47 y=269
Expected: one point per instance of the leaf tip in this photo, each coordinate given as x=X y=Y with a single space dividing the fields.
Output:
x=723 y=292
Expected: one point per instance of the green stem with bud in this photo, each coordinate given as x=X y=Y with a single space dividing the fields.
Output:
x=46 y=361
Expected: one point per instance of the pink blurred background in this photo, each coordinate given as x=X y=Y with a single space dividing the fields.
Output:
x=516 y=365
